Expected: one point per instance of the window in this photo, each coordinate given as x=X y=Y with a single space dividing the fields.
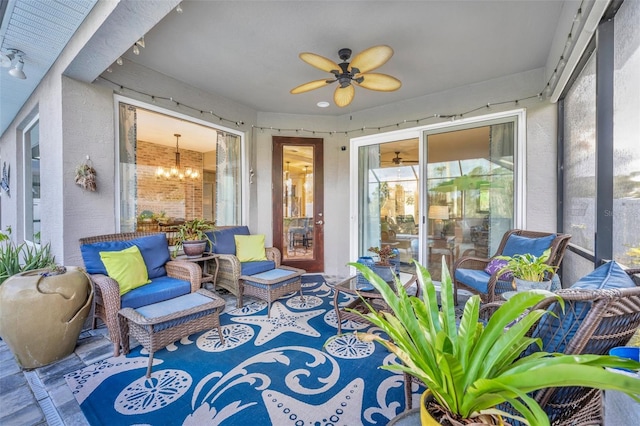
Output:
x=31 y=144
x=174 y=169
x=626 y=128
x=601 y=161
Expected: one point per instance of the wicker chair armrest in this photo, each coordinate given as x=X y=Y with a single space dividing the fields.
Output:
x=107 y=292
x=488 y=309
x=230 y=262
x=186 y=271
x=136 y=317
x=471 y=262
x=274 y=254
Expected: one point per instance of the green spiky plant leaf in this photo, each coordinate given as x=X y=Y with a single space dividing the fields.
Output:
x=471 y=367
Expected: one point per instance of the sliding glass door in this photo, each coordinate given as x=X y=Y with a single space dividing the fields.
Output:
x=449 y=191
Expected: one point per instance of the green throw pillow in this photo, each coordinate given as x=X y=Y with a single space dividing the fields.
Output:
x=250 y=248
x=126 y=267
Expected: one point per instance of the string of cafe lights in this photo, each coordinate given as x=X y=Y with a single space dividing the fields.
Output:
x=238 y=123
x=546 y=93
x=566 y=51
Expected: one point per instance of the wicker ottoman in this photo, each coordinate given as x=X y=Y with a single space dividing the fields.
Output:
x=270 y=285
x=157 y=325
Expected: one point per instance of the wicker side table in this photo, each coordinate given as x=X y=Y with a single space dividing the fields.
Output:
x=271 y=285
x=157 y=325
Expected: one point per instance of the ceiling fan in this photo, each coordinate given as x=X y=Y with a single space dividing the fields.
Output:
x=399 y=161
x=357 y=71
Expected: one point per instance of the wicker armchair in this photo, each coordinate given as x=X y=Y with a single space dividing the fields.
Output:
x=107 y=291
x=230 y=269
x=494 y=286
x=612 y=319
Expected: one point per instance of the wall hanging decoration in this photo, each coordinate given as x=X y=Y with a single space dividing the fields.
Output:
x=4 y=183
x=86 y=175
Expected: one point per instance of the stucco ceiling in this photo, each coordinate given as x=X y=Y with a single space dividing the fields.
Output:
x=247 y=51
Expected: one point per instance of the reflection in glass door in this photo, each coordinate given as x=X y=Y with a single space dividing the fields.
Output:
x=390 y=199
x=470 y=181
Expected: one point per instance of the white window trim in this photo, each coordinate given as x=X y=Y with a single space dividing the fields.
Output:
x=26 y=156
x=520 y=172
x=243 y=149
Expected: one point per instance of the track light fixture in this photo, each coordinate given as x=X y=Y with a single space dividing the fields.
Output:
x=7 y=60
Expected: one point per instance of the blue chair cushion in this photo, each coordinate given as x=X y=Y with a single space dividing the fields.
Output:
x=158 y=290
x=474 y=278
x=252 y=268
x=224 y=241
x=171 y=306
x=556 y=331
x=517 y=244
x=154 y=250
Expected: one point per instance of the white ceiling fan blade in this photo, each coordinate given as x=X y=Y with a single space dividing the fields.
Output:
x=319 y=62
x=344 y=95
x=379 y=82
x=316 y=84
x=371 y=58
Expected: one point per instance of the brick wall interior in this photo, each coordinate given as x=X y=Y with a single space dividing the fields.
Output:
x=178 y=199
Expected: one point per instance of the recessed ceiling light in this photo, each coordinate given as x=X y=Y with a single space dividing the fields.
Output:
x=323 y=104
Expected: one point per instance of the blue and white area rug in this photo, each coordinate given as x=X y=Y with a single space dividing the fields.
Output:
x=274 y=371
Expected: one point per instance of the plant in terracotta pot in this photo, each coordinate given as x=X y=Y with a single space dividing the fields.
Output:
x=192 y=237
x=529 y=271
x=469 y=367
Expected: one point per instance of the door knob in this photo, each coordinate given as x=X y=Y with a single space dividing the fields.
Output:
x=319 y=222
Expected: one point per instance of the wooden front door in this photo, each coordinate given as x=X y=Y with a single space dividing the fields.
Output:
x=298 y=208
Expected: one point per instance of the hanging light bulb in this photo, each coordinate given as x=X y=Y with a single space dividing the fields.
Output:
x=119 y=61
x=136 y=49
x=179 y=8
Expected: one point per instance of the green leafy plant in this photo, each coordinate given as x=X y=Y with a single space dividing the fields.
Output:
x=16 y=258
x=528 y=267
x=385 y=254
x=195 y=230
x=146 y=215
x=469 y=367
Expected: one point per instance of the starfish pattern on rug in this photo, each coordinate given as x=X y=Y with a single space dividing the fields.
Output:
x=282 y=321
x=344 y=408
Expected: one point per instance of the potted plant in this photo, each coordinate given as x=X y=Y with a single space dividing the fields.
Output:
x=383 y=266
x=529 y=271
x=469 y=367
x=43 y=306
x=192 y=237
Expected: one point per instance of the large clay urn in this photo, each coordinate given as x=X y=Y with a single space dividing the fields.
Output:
x=42 y=313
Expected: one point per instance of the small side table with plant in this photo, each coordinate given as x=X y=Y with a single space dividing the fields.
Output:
x=192 y=237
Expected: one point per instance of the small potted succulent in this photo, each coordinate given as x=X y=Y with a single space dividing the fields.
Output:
x=529 y=272
x=192 y=237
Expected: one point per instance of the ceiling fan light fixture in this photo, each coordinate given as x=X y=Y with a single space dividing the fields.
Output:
x=345 y=73
x=323 y=104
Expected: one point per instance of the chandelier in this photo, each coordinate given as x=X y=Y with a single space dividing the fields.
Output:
x=176 y=172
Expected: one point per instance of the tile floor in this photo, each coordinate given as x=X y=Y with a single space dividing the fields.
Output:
x=41 y=396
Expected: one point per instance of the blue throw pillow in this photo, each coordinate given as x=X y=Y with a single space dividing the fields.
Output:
x=556 y=330
x=91 y=254
x=154 y=250
x=517 y=244
x=224 y=241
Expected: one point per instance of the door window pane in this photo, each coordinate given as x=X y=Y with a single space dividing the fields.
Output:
x=580 y=158
x=626 y=154
x=297 y=202
x=389 y=199
x=470 y=180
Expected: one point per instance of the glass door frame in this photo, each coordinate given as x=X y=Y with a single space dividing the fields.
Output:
x=520 y=149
